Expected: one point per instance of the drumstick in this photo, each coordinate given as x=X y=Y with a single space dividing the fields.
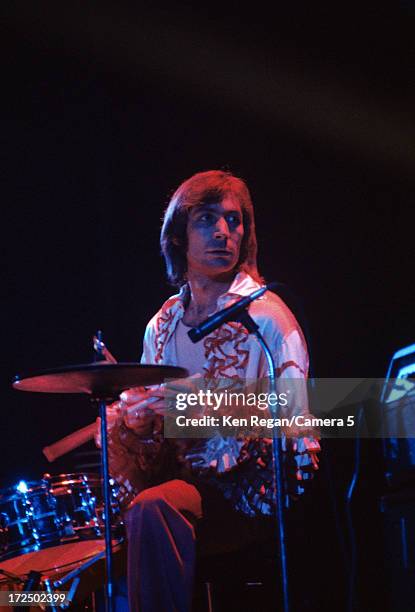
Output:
x=99 y=347
x=80 y=436
x=70 y=442
x=83 y=435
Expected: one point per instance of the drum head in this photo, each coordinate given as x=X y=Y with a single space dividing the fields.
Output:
x=57 y=560
x=58 y=564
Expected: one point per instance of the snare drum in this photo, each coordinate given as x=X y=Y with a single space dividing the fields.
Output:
x=28 y=518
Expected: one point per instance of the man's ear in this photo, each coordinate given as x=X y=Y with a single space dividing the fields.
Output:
x=175 y=241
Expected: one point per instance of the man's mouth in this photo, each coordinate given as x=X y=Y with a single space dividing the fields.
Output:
x=220 y=251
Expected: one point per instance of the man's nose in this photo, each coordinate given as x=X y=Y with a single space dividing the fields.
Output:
x=221 y=229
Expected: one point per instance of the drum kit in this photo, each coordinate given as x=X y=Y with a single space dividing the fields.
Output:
x=57 y=508
x=53 y=531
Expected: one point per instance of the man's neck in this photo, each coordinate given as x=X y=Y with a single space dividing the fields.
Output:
x=204 y=294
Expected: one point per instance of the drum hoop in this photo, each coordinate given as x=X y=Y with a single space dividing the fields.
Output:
x=11 y=493
x=74 y=478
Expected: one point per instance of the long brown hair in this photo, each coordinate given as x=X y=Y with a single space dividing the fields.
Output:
x=213 y=185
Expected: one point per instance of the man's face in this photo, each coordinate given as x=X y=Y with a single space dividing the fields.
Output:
x=214 y=236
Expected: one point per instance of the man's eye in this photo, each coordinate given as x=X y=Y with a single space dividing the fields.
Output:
x=233 y=219
x=205 y=217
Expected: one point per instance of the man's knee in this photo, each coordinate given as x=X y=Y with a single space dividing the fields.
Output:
x=150 y=496
x=175 y=495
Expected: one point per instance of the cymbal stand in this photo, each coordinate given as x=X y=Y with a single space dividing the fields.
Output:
x=100 y=348
x=109 y=595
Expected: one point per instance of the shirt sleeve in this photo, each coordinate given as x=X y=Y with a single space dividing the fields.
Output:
x=291 y=368
x=148 y=354
x=291 y=359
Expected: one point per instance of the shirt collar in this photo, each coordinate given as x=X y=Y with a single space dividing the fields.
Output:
x=243 y=284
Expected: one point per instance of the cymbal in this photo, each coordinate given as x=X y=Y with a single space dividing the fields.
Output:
x=101 y=380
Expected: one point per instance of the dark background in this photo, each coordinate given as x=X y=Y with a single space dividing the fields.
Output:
x=108 y=107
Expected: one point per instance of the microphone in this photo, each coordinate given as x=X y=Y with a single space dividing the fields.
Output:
x=231 y=313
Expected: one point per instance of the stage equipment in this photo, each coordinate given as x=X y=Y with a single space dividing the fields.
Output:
x=398 y=504
x=29 y=518
x=398 y=415
x=239 y=312
x=102 y=382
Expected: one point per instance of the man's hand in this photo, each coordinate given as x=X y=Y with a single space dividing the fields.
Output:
x=139 y=407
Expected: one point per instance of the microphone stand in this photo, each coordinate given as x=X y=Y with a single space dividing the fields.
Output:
x=245 y=318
